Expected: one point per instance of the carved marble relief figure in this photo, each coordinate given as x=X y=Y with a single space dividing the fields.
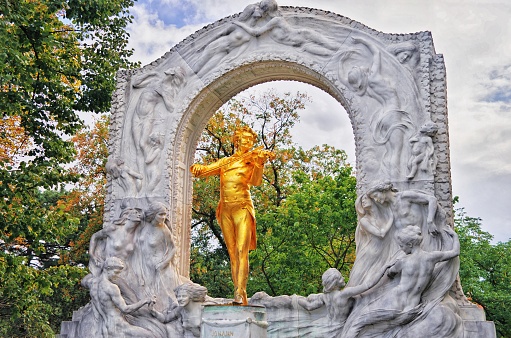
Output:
x=115 y=240
x=156 y=251
x=188 y=309
x=233 y=38
x=129 y=180
x=399 y=310
x=154 y=104
x=407 y=54
x=109 y=305
x=374 y=238
x=282 y=32
x=146 y=248
x=390 y=124
x=422 y=211
x=337 y=298
x=423 y=161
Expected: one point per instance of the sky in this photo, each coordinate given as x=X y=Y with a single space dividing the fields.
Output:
x=474 y=37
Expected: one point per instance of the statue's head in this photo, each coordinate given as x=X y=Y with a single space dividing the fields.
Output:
x=269 y=6
x=409 y=237
x=358 y=78
x=332 y=280
x=190 y=292
x=378 y=192
x=131 y=214
x=113 y=267
x=245 y=133
x=155 y=208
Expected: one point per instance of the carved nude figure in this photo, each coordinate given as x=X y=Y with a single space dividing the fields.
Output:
x=407 y=207
x=423 y=159
x=156 y=251
x=129 y=180
x=337 y=298
x=391 y=124
x=236 y=213
x=190 y=297
x=228 y=40
x=402 y=303
x=110 y=306
x=282 y=32
x=115 y=240
x=157 y=89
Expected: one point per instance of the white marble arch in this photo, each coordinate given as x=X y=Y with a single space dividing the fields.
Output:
x=389 y=84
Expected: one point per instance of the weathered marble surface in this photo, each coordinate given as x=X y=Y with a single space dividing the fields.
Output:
x=393 y=88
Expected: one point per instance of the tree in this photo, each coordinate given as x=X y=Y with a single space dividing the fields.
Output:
x=485 y=271
x=305 y=212
x=312 y=230
x=58 y=58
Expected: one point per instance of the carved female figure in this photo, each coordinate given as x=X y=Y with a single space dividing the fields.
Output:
x=337 y=298
x=391 y=124
x=282 y=32
x=410 y=277
x=407 y=207
x=129 y=180
x=116 y=240
x=109 y=305
x=228 y=40
x=374 y=240
x=156 y=251
x=158 y=89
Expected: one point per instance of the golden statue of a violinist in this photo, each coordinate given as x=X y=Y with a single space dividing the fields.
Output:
x=235 y=212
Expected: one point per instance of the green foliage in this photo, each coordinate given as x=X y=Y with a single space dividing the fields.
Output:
x=58 y=57
x=311 y=231
x=485 y=271
x=33 y=302
x=304 y=208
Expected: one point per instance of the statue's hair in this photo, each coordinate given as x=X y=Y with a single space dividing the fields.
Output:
x=154 y=208
x=382 y=187
x=411 y=234
x=429 y=128
x=358 y=204
x=247 y=12
x=241 y=130
x=406 y=46
x=269 y=6
x=112 y=262
x=178 y=74
x=196 y=292
x=112 y=166
x=124 y=216
x=332 y=280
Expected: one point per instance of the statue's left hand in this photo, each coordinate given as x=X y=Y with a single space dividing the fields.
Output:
x=196 y=169
x=264 y=155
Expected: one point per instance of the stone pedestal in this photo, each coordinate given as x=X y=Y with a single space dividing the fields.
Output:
x=233 y=321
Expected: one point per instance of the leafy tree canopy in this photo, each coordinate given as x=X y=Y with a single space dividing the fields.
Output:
x=485 y=271
x=58 y=58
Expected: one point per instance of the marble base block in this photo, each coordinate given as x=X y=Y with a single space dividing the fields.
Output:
x=233 y=321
